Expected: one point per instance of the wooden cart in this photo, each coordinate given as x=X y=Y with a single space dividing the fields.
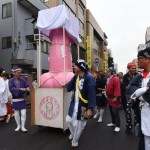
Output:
x=49 y=107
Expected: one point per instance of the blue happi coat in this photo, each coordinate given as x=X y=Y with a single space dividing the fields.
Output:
x=136 y=84
x=87 y=92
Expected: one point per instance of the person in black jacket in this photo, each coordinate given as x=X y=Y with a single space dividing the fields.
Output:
x=127 y=78
x=100 y=95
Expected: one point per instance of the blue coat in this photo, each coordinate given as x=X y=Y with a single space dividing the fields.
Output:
x=136 y=84
x=87 y=92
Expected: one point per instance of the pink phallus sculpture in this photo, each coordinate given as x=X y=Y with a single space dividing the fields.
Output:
x=58 y=76
x=62 y=28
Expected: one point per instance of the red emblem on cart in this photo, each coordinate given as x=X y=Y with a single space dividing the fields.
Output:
x=49 y=108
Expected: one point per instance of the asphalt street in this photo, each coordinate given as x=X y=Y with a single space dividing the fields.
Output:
x=96 y=136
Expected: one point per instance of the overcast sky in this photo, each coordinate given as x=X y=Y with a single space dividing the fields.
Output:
x=125 y=23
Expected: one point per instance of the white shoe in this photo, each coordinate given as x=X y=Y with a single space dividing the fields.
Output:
x=74 y=145
x=23 y=129
x=111 y=125
x=18 y=128
x=96 y=115
x=70 y=137
x=100 y=119
x=117 y=129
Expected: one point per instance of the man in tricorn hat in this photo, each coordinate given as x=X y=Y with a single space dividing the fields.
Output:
x=83 y=100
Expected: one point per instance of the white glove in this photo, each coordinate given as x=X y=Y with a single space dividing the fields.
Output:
x=140 y=91
x=141 y=98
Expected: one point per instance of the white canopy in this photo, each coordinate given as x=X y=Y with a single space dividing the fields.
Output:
x=57 y=17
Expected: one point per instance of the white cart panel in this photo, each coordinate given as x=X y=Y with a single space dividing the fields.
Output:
x=51 y=107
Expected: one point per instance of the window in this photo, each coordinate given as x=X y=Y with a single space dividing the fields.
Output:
x=45 y=47
x=64 y=3
x=81 y=9
x=6 y=42
x=81 y=38
x=81 y=24
x=48 y=47
x=6 y=10
x=31 y=44
x=96 y=41
x=96 y=52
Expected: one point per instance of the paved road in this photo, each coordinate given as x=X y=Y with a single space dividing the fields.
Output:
x=96 y=136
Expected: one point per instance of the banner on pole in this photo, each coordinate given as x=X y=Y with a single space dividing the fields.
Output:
x=89 y=51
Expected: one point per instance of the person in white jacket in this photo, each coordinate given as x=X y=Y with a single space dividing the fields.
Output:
x=3 y=99
x=10 y=112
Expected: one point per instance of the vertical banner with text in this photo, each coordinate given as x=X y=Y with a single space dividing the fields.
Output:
x=89 y=51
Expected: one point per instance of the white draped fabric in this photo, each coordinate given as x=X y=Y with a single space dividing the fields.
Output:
x=3 y=97
x=57 y=17
x=9 y=95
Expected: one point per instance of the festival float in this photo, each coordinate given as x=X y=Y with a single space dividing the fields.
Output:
x=50 y=102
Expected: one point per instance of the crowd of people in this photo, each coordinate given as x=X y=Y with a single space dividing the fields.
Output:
x=92 y=91
x=130 y=91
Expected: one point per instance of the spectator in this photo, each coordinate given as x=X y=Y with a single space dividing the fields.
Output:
x=113 y=98
x=19 y=89
x=100 y=95
x=10 y=112
x=3 y=98
x=127 y=78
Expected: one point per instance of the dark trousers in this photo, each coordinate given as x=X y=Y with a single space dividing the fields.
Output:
x=114 y=112
x=128 y=114
x=141 y=142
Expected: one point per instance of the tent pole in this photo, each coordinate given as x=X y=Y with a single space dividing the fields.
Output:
x=39 y=58
x=64 y=47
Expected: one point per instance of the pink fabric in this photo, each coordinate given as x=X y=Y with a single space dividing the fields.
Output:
x=56 y=77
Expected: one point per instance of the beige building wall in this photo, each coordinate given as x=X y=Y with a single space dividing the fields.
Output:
x=98 y=41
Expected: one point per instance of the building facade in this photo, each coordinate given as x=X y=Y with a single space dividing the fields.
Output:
x=98 y=41
x=17 y=28
x=147 y=37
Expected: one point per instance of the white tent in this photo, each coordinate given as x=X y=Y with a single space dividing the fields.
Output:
x=57 y=17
